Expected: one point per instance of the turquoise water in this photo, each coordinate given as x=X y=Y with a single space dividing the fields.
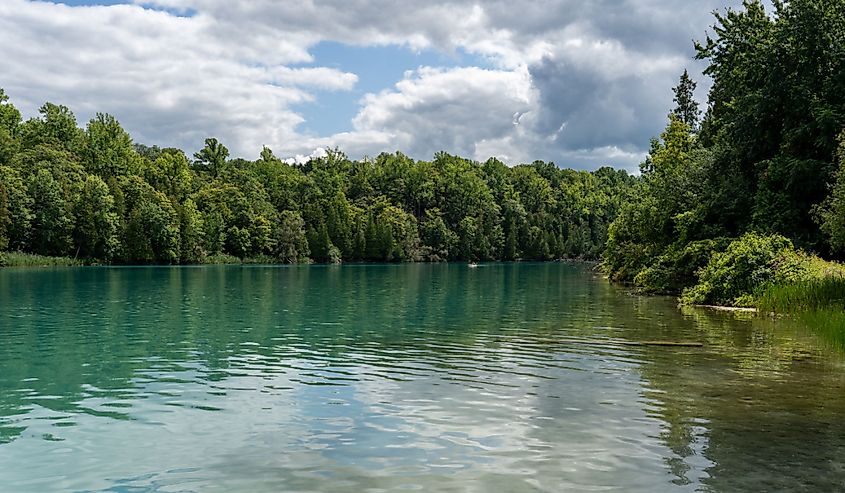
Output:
x=506 y=377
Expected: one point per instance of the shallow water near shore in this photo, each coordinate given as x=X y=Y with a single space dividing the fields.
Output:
x=505 y=377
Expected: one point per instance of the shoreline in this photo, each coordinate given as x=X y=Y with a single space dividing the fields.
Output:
x=27 y=260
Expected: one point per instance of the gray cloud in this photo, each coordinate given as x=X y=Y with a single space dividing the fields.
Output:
x=589 y=81
x=582 y=109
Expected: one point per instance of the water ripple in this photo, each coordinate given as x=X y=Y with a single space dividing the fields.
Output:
x=517 y=377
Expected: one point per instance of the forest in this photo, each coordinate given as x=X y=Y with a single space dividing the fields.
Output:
x=91 y=194
x=750 y=195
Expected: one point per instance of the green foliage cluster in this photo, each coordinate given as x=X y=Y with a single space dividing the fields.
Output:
x=753 y=261
x=722 y=201
x=678 y=266
x=92 y=194
x=831 y=213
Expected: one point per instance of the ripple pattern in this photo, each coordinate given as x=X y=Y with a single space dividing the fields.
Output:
x=508 y=377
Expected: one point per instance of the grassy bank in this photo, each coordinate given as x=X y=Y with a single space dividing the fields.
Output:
x=762 y=272
x=14 y=259
x=818 y=303
x=826 y=293
x=17 y=259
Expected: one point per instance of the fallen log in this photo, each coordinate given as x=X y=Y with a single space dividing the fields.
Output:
x=593 y=342
x=738 y=309
x=662 y=343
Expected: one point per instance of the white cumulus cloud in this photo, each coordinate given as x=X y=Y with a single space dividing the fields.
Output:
x=580 y=83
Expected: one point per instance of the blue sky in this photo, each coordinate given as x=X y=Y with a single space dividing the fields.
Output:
x=377 y=68
x=583 y=84
x=82 y=2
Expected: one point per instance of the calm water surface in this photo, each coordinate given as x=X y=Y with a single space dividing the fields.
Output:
x=507 y=377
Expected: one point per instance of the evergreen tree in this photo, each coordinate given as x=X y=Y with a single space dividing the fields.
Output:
x=212 y=157
x=686 y=107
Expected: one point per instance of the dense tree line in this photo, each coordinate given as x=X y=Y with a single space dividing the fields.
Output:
x=91 y=193
x=762 y=161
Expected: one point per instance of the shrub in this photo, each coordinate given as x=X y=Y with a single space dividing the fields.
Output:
x=749 y=263
x=677 y=267
x=222 y=259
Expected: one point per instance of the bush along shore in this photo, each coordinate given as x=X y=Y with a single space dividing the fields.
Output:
x=743 y=204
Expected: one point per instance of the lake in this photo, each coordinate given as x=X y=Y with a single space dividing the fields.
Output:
x=371 y=378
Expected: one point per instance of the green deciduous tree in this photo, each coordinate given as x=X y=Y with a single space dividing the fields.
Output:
x=55 y=128
x=97 y=223
x=17 y=214
x=152 y=224
x=212 y=158
x=52 y=219
x=191 y=233
x=109 y=151
x=437 y=237
x=291 y=243
x=170 y=173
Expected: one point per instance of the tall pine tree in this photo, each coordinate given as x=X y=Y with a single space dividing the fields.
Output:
x=686 y=108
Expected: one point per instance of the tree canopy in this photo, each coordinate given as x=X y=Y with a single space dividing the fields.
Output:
x=764 y=159
x=94 y=194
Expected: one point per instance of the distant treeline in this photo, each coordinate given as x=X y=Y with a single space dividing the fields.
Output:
x=92 y=194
